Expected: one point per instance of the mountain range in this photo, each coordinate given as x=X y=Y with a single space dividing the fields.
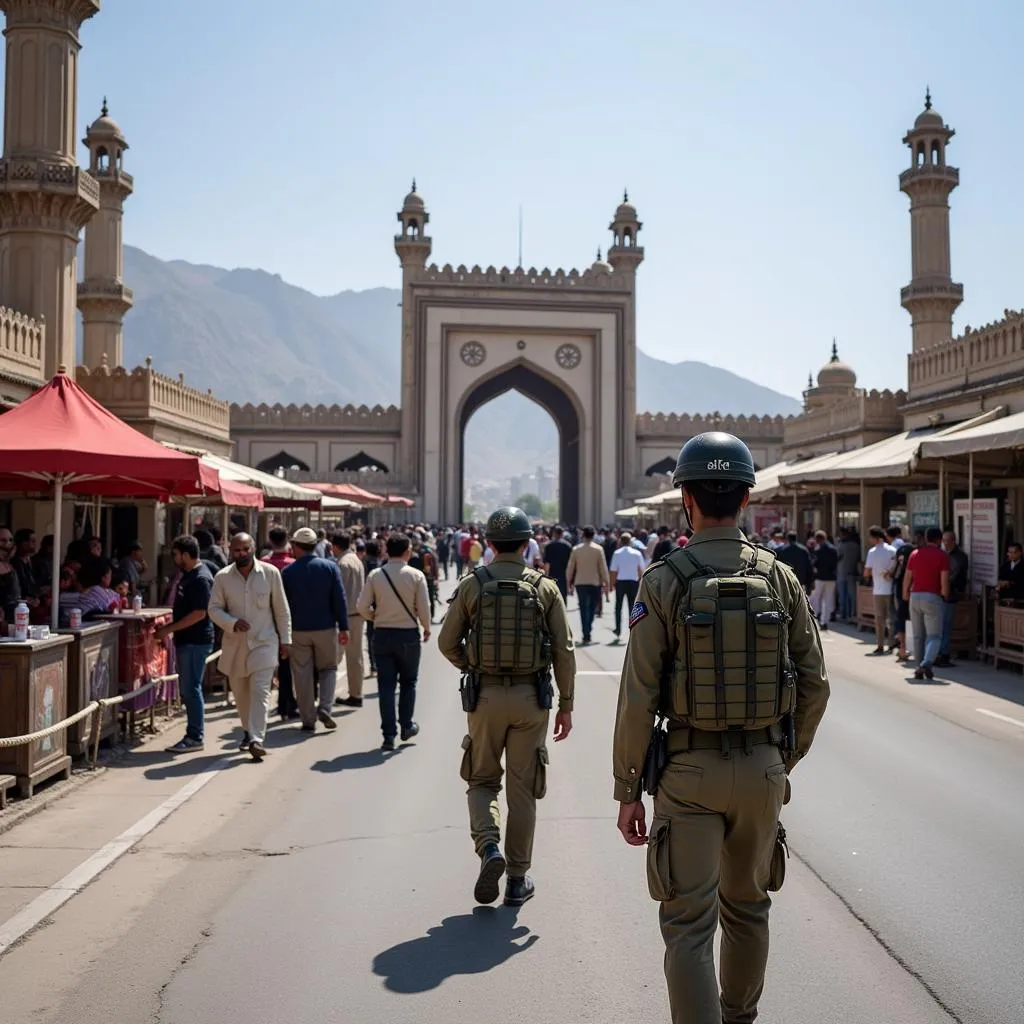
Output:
x=252 y=337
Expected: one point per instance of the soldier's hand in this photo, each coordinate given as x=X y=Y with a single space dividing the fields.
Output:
x=563 y=724
x=633 y=823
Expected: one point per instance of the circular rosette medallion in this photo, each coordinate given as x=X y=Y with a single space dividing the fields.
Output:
x=568 y=357
x=473 y=353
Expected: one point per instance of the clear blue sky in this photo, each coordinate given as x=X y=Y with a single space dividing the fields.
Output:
x=761 y=143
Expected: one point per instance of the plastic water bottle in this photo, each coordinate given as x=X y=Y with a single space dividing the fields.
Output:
x=21 y=622
x=137 y=603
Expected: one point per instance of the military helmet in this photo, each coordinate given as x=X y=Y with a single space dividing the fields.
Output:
x=714 y=457
x=509 y=523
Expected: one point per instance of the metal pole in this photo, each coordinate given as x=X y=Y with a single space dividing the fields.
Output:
x=942 y=493
x=796 y=514
x=970 y=519
x=862 y=526
x=835 y=516
x=58 y=515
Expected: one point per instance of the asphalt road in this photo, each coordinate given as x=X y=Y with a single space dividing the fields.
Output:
x=334 y=884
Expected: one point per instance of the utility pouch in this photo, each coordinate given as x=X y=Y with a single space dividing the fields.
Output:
x=545 y=692
x=469 y=690
x=655 y=759
x=777 y=868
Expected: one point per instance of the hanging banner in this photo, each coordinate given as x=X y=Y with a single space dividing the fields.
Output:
x=923 y=507
x=979 y=539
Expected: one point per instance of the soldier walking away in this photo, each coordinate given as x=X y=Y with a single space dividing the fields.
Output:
x=505 y=629
x=723 y=648
x=316 y=597
x=249 y=605
x=395 y=600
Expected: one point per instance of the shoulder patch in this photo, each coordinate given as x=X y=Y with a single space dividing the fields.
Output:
x=640 y=611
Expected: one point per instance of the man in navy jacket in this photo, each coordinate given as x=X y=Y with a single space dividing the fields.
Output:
x=316 y=597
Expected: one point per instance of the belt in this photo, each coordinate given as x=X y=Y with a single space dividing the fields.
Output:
x=682 y=738
x=508 y=677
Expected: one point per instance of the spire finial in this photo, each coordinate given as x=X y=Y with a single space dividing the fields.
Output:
x=810 y=380
x=599 y=254
x=413 y=184
x=103 y=110
x=927 y=98
x=835 y=351
x=625 y=195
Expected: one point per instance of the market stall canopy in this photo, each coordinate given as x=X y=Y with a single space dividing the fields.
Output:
x=363 y=498
x=997 y=435
x=768 y=486
x=629 y=513
x=277 y=492
x=673 y=497
x=396 y=499
x=329 y=504
x=63 y=433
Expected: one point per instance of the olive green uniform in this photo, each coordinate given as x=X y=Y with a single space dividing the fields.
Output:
x=717 y=806
x=508 y=720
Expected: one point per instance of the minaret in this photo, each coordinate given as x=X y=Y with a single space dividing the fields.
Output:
x=931 y=297
x=102 y=296
x=413 y=248
x=45 y=198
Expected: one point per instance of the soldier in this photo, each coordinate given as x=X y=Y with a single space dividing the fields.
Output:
x=724 y=647
x=506 y=627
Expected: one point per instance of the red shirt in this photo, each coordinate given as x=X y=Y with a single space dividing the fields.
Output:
x=927 y=564
x=279 y=559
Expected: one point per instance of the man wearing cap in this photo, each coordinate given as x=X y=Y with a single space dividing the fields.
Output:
x=723 y=646
x=316 y=597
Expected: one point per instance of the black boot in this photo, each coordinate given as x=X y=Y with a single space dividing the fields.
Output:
x=518 y=891
x=492 y=867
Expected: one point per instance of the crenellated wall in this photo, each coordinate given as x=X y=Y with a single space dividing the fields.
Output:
x=306 y=417
x=976 y=356
x=844 y=423
x=684 y=425
x=604 y=279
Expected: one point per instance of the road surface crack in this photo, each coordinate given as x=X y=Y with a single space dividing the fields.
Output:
x=877 y=936
x=191 y=955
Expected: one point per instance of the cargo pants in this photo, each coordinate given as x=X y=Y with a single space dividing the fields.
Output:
x=709 y=853
x=507 y=721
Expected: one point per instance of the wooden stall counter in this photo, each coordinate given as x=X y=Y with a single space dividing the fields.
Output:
x=92 y=674
x=865 y=607
x=33 y=696
x=1009 y=635
x=141 y=657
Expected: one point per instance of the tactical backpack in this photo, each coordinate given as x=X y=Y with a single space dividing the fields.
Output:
x=732 y=667
x=509 y=635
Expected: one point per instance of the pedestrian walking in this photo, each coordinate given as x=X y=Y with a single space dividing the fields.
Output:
x=825 y=559
x=557 y=553
x=395 y=600
x=506 y=628
x=925 y=587
x=192 y=630
x=719 y=601
x=587 y=574
x=353 y=577
x=627 y=566
x=248 y=603
x=281 y=557
x=316 y=597
x=958 y=570
x=878 y=570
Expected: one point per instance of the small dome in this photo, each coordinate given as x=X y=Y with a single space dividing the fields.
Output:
x=105 y=127
x=626 y=210
x=929 y=118
x=413 y=201
x=601 y=265
x=836 y=373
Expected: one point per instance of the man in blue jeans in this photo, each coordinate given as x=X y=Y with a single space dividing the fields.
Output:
x=193 y=637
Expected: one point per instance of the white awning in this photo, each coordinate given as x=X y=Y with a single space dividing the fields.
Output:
x=276 y=491
x=993 y=436
x=768 y=486
x=332 y=504
x=661 y=499
x=629 y=513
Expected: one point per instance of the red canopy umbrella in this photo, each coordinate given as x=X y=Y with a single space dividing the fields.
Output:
x=64 y=439
x=362 y=497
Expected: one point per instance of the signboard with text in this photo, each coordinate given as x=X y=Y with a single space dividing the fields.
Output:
x=980 y=538
x=923 y=507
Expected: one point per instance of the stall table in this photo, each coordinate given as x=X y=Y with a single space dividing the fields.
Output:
x=141 y=657
x=1009 y=635
x=92 y=674
x=33 y=695
x=865 y=607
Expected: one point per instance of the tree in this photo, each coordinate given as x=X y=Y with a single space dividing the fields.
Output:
x=468 y=513
x=530 y=504
x=549 y=511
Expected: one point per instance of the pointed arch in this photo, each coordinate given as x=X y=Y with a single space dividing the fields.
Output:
x=663 y=467
x=282 y=460
x=359 y=462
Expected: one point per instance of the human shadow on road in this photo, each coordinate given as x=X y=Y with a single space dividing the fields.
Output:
x=468 y=944
x=358 y=759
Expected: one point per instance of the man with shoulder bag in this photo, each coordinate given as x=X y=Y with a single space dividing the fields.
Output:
x=722 y=690
x=506 y=629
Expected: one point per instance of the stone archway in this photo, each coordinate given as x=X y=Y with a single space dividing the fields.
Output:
x=554 y=401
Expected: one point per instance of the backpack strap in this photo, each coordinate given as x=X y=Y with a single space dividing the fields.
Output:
x=478 y=574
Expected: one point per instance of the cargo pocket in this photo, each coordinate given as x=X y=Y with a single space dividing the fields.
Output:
x=540 y=777
x=659 y=874
x=466 y=768
x=775 y=790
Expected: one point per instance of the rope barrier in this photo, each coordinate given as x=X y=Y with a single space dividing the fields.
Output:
x=93 y=706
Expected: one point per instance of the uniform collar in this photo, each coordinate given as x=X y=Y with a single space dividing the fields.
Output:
x=512 y=558
x=717 y=533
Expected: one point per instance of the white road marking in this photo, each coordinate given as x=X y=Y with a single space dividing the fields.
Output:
x=1002 y=718
x=594 y=672
x=78 y=878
